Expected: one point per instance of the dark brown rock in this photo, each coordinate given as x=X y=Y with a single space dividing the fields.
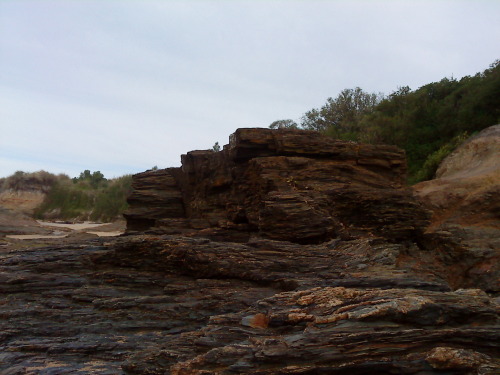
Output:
x=292 y=185
x=171 y=304
x=344 y=330
x=285 y=253
x=155 y=196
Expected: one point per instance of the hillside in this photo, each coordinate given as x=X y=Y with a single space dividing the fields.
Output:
x=467 y=184
x=23 y=192
x=46 y=196
x=20 y=195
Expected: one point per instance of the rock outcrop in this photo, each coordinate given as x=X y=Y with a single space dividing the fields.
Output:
x=285 y=185
x=285 y=253
x=155 y=196
x=181 y=305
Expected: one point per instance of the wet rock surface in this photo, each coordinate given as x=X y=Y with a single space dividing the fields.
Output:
x=229 y=278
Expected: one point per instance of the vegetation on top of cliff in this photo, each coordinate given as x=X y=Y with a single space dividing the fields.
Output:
x=284 y=124
x=428 y=123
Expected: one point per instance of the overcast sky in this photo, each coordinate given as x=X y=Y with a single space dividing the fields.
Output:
x=122 y=86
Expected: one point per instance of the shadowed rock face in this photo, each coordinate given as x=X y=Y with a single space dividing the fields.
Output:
x=285 y=253
x=287 y=185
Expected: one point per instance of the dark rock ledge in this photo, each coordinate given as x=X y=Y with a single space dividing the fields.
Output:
x=285 y=253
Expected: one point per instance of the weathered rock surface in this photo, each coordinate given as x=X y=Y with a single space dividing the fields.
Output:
x=465 y=202
x=344 y=330
x=466 y=189
x=285 y=185
x=183 y=305
x=286 y=253
x=14 y=222
x=155 y=196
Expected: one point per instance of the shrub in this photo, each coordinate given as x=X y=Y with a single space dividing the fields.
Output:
x=431 y=164
x=111 y=201
x=81 y=199
x=36 y=181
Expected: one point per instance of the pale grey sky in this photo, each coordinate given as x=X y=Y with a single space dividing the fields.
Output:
x=120 y=86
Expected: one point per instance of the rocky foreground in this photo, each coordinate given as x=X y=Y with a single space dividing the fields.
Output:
x=285 y=253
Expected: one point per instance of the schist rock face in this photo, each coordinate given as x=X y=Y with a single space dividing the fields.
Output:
x=286 y=184
x=285 y=253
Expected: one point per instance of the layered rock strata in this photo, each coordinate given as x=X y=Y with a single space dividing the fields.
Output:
x=181 y=305
x=285 y=253
x=289 y=185
x=154 y=196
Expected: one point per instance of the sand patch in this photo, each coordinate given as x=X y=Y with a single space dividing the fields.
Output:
x=76 y=226
x=34 y=236
x=106 y=234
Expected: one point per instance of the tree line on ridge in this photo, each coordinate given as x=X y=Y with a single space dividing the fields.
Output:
x=428 y=123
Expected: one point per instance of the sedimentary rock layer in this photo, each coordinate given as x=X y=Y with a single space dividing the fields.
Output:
x=285 y=253
x=289 y=185
x=182 y=305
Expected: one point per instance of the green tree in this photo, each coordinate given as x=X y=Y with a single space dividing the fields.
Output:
x=341 y=117
x=425 y=121
x=284 y=124
x=85 y=175
x=94 y=180
x=216 y=147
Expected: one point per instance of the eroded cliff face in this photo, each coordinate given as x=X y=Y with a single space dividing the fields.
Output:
x=287 y=185
x=285 y=253
x=466 y=189
x=464 y=199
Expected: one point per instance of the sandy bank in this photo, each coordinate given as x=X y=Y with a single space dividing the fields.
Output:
x=76 y=226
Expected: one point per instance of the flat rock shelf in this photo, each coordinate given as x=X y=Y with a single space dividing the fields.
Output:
x=170 y=304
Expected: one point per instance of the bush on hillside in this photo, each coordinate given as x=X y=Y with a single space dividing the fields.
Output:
x=86 y=200
x=111 y=201
x=36 y=181
x=431 y=164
